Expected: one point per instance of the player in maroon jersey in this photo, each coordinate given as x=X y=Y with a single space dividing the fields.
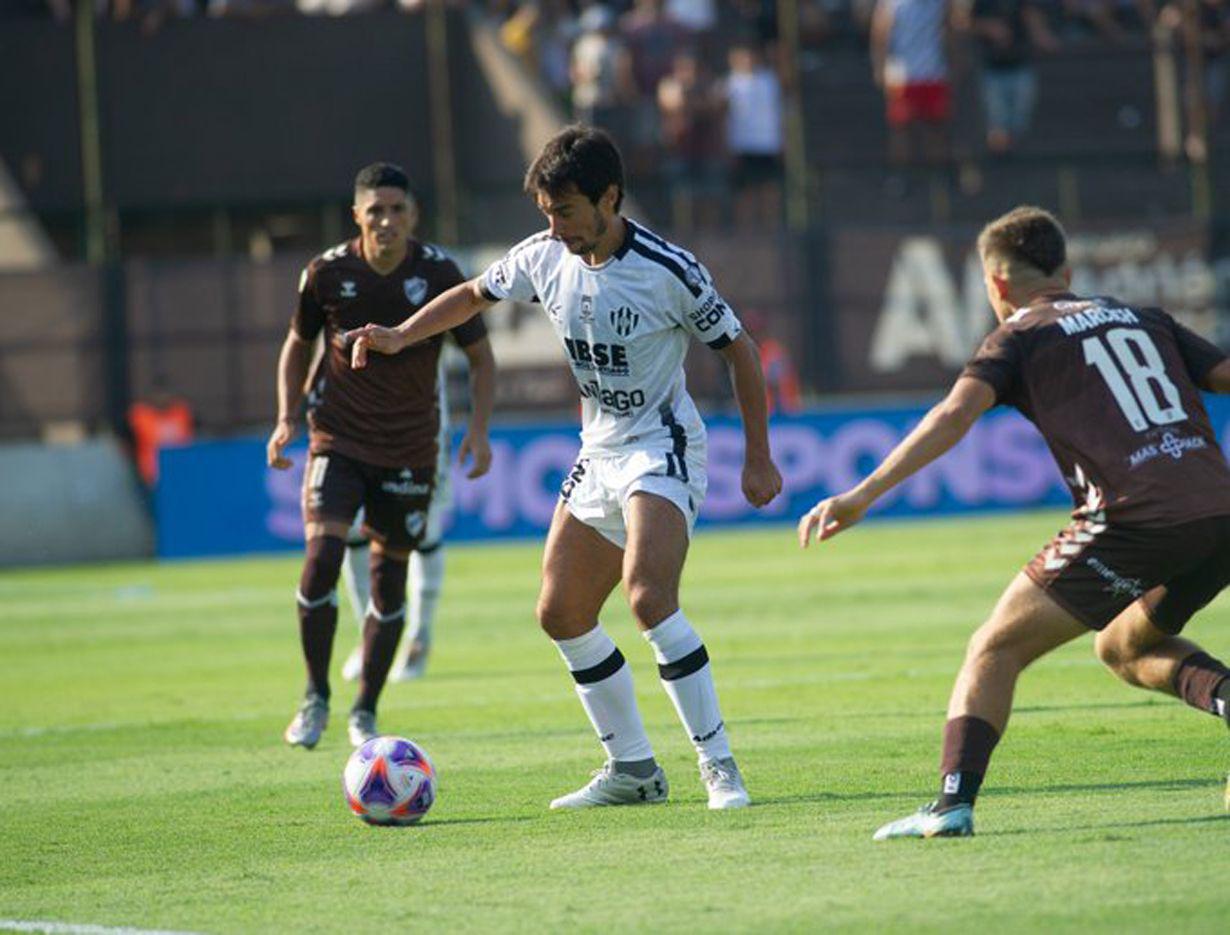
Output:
x=373 y=433
x=1114 y=390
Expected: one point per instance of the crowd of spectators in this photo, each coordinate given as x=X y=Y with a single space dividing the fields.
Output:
x=153 y=11
x=695 y=89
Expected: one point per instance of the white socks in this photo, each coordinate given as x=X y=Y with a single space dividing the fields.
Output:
x=687 y=677
x=356 y=572
x=426 y=580
x=604 y=685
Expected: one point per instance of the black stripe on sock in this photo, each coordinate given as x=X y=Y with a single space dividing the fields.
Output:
x=603 y=670
x=692 y=662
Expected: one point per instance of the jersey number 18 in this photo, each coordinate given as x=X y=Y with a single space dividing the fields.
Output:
x=1131 y=353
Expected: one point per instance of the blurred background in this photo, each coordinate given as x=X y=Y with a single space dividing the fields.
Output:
x=168 y=166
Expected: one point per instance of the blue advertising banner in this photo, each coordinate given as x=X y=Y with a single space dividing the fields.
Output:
x=219 y=498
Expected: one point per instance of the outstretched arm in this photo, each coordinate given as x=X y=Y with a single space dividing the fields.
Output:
x=1218 y=379
x=482 y=400
x=293 y=364
x=447 y=310
x=761 y=480
x=942 y=427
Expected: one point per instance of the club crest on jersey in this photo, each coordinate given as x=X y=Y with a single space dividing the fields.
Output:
x=624 y=320
x=416 y=290
x=415 y=524
x=587 y=310
x=348 y=289
x=692 y=276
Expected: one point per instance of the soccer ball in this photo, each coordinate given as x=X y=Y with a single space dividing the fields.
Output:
x=389 y=781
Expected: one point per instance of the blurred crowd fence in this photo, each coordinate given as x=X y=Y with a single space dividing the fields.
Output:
x=849 y=309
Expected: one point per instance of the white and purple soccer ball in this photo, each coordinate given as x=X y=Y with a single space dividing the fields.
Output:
x=389 y=781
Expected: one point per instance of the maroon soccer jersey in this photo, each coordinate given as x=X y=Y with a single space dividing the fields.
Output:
x=1115 y=392
x=386 y=414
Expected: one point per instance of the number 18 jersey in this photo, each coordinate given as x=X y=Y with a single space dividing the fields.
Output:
x=625 y=326
x=1114 y=390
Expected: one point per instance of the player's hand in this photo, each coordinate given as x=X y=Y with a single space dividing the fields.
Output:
x=829 y=517
x=369 y=338
x=761 y=481
x=283 y=432
x=477 y=447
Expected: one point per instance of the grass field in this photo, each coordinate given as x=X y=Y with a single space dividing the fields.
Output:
x=146 y=783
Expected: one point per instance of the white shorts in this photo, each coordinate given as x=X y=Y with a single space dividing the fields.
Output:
x=597 y=489
x=441 y=498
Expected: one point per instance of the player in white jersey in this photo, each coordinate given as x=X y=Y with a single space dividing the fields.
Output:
x=426 y=571
x=624 y=303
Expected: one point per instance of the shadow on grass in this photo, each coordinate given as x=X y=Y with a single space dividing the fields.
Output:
x=446 y=822
x=1161 y=785
x=1117 y=825
x=939 y=714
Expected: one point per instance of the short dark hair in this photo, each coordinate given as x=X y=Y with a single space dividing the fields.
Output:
x=1028 y=235
x=382 y=175
x=578 y=155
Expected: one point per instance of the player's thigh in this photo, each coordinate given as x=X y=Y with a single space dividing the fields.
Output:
x=396 y=503
x=653 y=560
x=333 y=488
x=1026 y=623
x=580 y=568
x=1130 y=635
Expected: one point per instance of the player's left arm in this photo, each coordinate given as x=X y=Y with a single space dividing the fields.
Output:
x=942 y=427
x=761 y=479
x=476 y=444
x=1218 y=379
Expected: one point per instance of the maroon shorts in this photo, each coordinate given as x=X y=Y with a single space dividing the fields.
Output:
x=919 y=102
x=1095 y=570
x=394 y=500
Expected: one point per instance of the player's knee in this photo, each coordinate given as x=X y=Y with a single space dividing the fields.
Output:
x=1117 y=654
x=650 y=602
x=388 y=583
x=552 y=614
x=991 y=645
x=322 y=567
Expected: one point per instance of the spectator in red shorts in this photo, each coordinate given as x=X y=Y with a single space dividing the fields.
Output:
x=910 y=63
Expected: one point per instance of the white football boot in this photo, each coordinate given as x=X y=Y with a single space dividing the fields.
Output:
x=352 y=668
x=361 y=728
x=929 y=822
x=611 y=788
x=309 y=723
x=725 y=784
x=413 y=665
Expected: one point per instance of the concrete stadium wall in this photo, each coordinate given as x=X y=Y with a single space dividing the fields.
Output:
x=70 y=504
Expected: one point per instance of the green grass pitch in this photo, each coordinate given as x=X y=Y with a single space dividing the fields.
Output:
x=145 y=782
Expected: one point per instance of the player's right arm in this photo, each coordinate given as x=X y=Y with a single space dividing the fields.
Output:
x=507 y=278
x=942 y=427
x=293 y=364
x=447 y=310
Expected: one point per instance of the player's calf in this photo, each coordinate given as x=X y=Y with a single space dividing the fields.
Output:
x=317 y=608
x=382 y=627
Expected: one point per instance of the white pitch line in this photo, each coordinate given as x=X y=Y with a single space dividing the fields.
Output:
x=71 y=928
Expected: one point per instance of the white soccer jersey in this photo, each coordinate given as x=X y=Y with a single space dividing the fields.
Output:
x=625 y=327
